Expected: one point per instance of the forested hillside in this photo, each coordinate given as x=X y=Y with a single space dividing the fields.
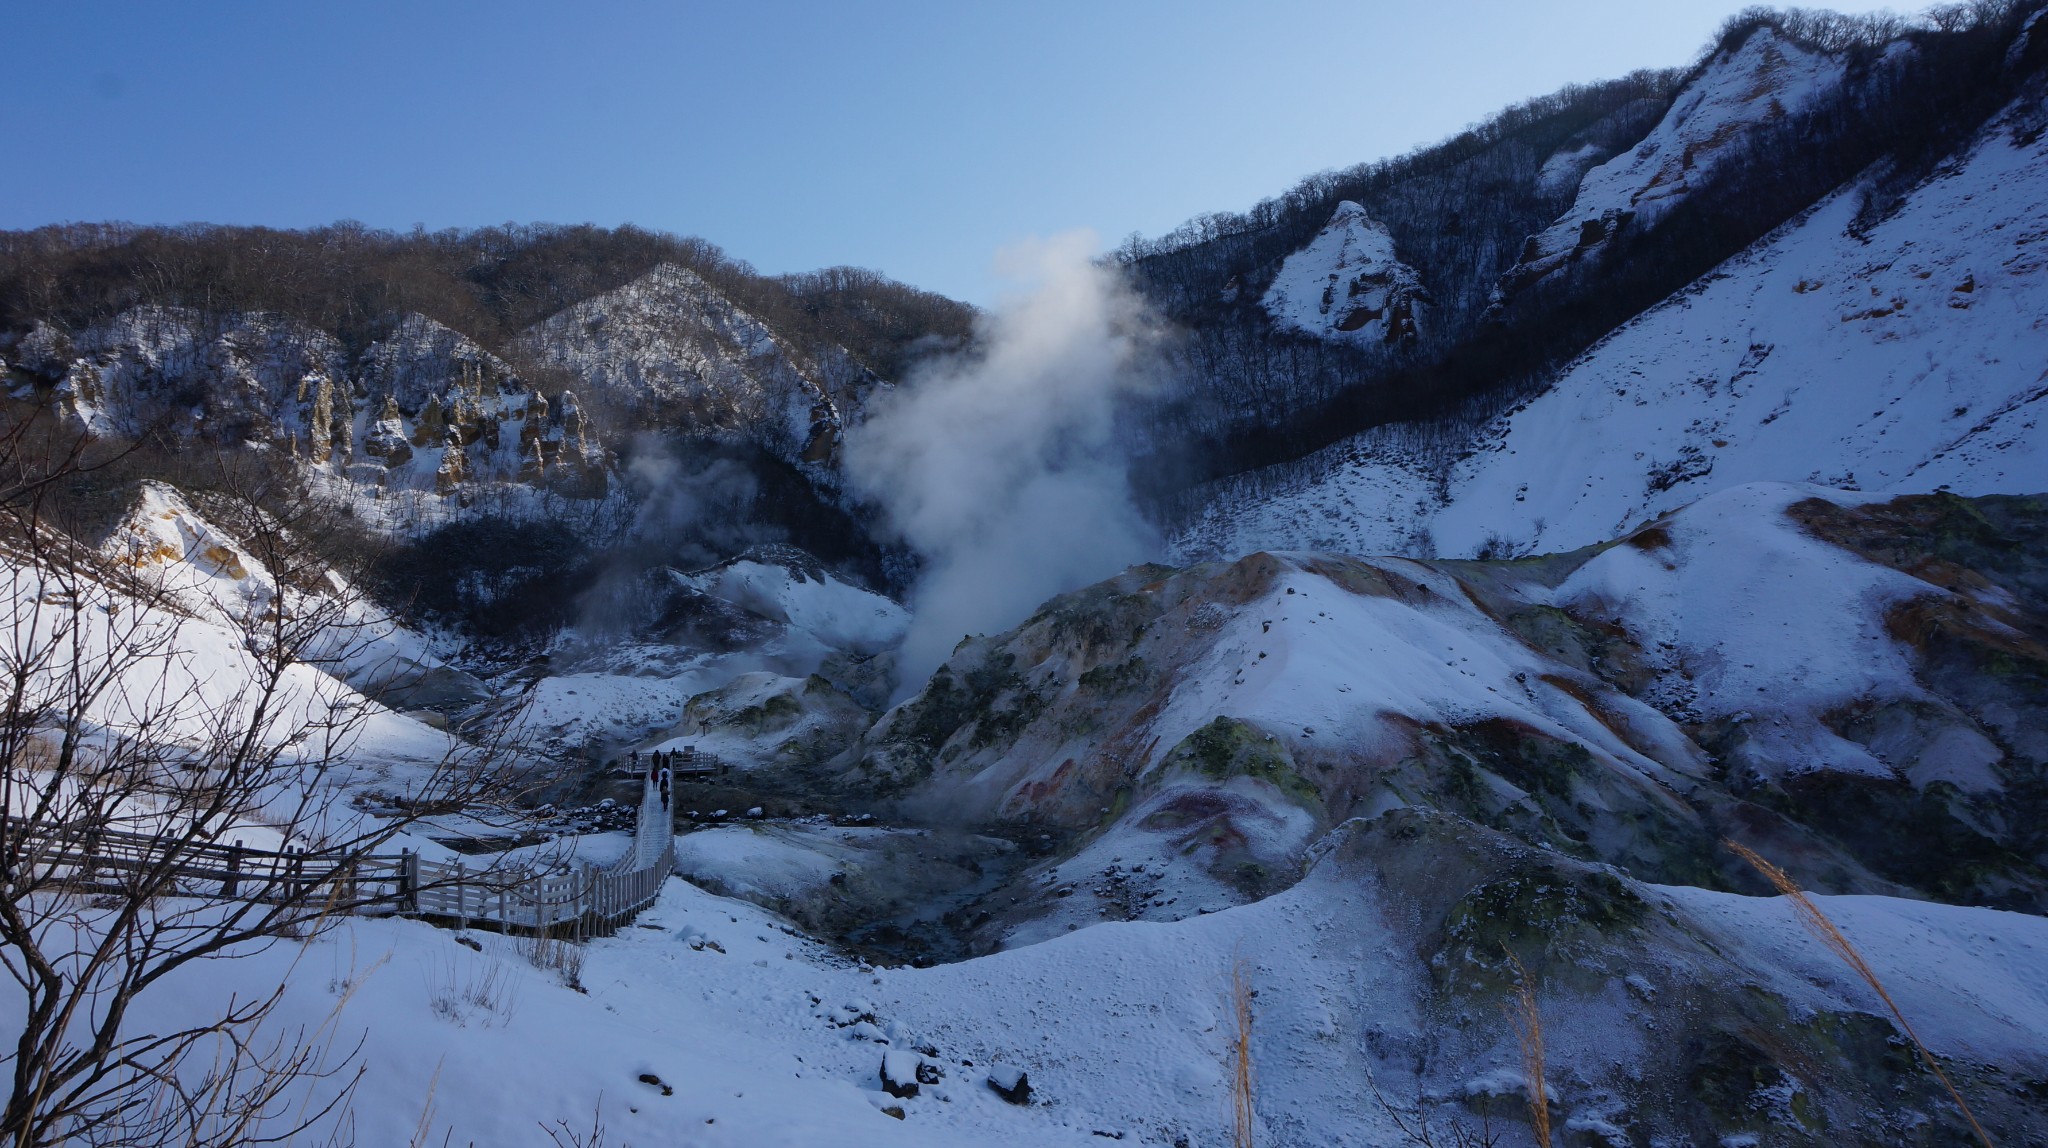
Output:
x=1874 y=95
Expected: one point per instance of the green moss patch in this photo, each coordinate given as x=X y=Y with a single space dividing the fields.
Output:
x=1230 y=747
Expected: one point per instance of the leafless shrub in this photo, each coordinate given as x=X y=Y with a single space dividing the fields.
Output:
x=129 y=764
x=459 y=991
x=564 y=1136
x=1413 y=1122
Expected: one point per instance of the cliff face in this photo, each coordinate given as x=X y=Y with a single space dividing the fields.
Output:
x=1765 y=79
x=1349 y=284
x=429 y=412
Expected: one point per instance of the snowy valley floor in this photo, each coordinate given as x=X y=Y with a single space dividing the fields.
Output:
x=769 y=1039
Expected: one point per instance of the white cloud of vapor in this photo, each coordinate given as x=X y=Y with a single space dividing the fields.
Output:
x=999 y=465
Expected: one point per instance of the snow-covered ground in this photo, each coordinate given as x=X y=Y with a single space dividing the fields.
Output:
x=1745 y=616
x=1904 y=357
x=767 y=1039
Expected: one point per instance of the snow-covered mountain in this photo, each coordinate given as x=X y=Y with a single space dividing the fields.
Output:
x=1632 y=701
x=1897 y=354
x=416 y=420
x=670 y=345
x=1447 y=721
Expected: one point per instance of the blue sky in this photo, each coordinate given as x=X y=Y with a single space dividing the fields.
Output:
x=916 y=138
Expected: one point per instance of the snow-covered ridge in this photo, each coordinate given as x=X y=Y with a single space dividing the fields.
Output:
x=170 y=548
x=1767 y=77
x=1902 y=357
x=670 y=343
x=419 y=359
x=121 y=375
x=1348 y=284
x=787 y=586
x=186 y=667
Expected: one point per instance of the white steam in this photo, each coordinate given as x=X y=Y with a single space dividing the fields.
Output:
x=999 y=466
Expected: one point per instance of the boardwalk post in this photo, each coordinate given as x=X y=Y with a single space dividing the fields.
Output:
x=408 y=881
x=232 y=884
x=461 y=898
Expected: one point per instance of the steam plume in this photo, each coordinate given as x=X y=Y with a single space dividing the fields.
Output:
x=999 y=465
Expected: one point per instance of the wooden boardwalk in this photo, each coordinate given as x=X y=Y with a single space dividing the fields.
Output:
x=680 y=763
x=578 y=899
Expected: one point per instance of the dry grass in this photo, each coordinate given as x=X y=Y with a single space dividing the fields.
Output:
x=425 y=1127
x=461 y=990
x=559 y=955
x=1528 y=1022
x=1241 y=1051
x=1824 y=930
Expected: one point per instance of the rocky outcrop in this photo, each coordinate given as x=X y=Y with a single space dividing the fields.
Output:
x=1349 y=285
x=454 y=469
x=387 y=439
x=320 y=421
x=431 y=426
x=423 y=359
x=674 y=351
x=1765 y=78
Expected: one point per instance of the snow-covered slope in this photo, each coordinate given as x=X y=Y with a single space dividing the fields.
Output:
x=185 y=678
x=1670 y=1015
x=168 y=546
x=787 y=586
x=1742 y=616
x=1348 y=284
x=670 y=344
x=1765 y=78
x=725 y=660
x=1900 y=355
x=1782 y=645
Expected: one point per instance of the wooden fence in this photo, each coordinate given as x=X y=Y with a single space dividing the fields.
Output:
x=685 y=762
x=580 y=898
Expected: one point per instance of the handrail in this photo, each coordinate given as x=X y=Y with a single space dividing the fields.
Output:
x=510 y=897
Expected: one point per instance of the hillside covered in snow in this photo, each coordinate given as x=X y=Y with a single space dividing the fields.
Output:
x=1881 y=347
x=1544 y=528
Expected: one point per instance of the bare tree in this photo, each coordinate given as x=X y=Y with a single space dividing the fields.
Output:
x=148 y=725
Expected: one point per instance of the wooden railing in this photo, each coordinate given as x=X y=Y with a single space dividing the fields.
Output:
x=688 y=761
x=506 y=897
x=110 y=859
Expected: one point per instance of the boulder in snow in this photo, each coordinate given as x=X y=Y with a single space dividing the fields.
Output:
x=1010 y=1082
x=900 y=1073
